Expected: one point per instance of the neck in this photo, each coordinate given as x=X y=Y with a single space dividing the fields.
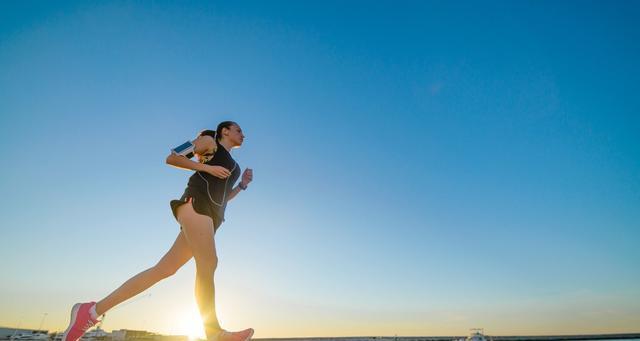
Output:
x=226 y=144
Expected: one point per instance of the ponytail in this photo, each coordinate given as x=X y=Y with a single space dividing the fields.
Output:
x=205 y=158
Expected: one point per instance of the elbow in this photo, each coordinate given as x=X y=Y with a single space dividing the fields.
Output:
x=169 y=159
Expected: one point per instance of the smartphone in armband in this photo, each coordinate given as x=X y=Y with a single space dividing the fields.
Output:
x=185 y=149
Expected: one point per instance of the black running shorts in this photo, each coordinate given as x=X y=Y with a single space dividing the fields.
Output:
x=200 y=204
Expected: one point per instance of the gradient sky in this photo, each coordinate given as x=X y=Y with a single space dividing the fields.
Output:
x=420 y=168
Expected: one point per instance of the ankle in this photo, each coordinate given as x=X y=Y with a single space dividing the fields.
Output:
x=214 y=334
x=98 y=309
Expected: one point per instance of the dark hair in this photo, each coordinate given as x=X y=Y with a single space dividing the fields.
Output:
x=222 y=125
x=204 y=158
x=208 y=132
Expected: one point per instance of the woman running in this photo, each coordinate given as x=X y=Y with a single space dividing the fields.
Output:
x=200 y=212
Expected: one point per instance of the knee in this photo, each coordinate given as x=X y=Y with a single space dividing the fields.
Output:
x=206 y=266
x=164 y=271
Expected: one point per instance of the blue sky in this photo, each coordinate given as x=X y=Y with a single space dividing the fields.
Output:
x=421 y=168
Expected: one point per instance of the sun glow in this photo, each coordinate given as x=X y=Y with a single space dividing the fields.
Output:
x=190 y=324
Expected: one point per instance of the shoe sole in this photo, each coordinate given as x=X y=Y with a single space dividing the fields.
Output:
x=74 y=314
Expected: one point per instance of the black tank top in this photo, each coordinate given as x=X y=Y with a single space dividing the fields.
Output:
x=212 y=188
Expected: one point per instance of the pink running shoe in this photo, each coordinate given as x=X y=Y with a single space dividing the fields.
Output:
x=81 y=321
x=243 y=335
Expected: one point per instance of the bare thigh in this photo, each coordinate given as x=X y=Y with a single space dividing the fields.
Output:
x=199 y=232
x=176 y=257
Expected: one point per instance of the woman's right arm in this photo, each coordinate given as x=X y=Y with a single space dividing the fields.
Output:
x=182 y=162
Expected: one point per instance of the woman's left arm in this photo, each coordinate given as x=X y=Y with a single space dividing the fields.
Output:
x=247 y=177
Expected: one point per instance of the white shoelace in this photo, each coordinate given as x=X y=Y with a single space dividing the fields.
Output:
x=88 y=325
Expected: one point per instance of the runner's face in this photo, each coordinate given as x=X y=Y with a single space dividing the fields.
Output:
x=235 y=135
